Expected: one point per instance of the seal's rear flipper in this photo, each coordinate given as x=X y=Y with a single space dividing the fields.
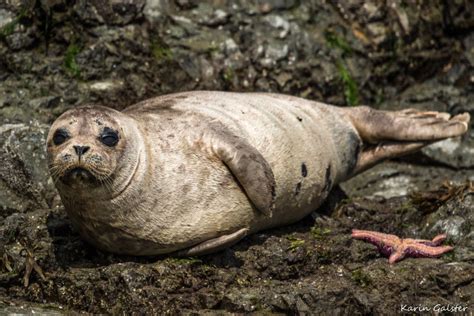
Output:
x=408 y=125
x=374 y=154
x=392 y=134
x=214 y=245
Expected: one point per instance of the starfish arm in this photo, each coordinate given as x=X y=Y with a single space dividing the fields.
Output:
x=359 y=232
x=439 y=239
x=375 y=238
x=421 y=250
x=434 y=242
x=398 y=255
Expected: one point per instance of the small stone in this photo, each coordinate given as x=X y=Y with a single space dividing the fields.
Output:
x=230 y=47
x=186 y=4
x=155 y=10
x=277 y=52
x=278 y=22
x=45 y=102
x=6 y=17
x=372 y=11
x=107 y=85
x=117 y=12
x=22 y=37
x=266 y=6
x=283 y=78
x=219 y=17
x=378 y=32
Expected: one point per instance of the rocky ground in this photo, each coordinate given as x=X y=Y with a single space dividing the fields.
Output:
x=56 y=54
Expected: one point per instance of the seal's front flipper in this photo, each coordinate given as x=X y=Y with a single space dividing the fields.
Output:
x=408 y=125
x=246 y=163
x=214 y=245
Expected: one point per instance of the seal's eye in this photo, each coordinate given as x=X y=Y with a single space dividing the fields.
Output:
x=60 y=136
x=109 y=137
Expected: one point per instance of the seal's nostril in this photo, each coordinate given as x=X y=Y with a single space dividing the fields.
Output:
x=81 y=150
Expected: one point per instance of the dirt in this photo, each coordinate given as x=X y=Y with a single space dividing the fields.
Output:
x=57 y=54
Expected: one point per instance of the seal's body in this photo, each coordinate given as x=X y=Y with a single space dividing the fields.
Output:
x=198 y=171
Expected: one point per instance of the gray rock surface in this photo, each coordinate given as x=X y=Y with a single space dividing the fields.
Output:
x=24 y=178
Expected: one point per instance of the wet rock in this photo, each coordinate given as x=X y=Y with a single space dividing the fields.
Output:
x=395 y=186
x=212 y=17
x=155 y=10
x=396 y=178
x=373 y=11
x=457 y=15
x=453 y=152
x=6 y=18
x=230 y=47
x=22 y=37
x=469 y=53
x=186 y=4
x=24 y=177
x=21 y=308
x=190 y=65
x=109 y=85
x=45 y=102
x=283 y=78
x=456 y=219
x=88 y=13
x=402 y=16
x=274 y=52
x=378 y=32
x=138 y=84
x=279 y=23
x=266 y=6
x=205 y=42
x=120 y=12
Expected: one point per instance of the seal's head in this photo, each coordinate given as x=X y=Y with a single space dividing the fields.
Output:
x=85 y=146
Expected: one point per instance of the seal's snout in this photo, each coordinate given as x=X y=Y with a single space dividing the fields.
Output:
x=81 y=150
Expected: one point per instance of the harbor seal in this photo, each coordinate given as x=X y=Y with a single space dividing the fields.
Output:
x=195 y=172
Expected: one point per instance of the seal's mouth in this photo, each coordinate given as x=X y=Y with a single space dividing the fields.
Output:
x=79 y=174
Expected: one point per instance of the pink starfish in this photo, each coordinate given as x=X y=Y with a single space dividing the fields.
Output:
x=398 y=248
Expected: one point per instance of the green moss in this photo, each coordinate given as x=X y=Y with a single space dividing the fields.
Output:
x=161 y=52
x=70 y=60
x=361 y=278
x=242 y=281
x=8 y=28
x=183 y=261
x=406 y=207
x=351 y=91
x=295 y=243
x=323 y=256
x=319 y=232
x=229 y=74
x=336 y=41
